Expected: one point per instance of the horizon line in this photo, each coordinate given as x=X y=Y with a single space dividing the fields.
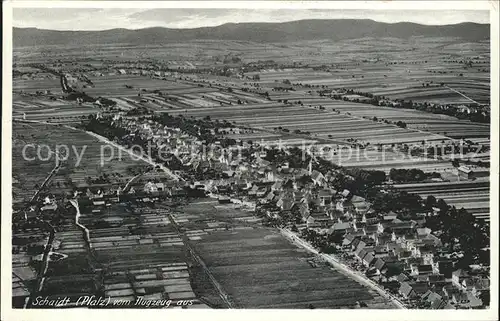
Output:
x=259 y=22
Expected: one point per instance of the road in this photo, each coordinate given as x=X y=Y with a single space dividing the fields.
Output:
x=462 y=95
x=132 y=154
x=48 y=246
x=343 y=268
x=107 y=141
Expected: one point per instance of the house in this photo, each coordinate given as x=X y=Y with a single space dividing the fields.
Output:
x=480 y=284
x=369 y=259
x=348 y=238
x=285 y=203
x=424 y=269
x=438 y=304
x=93 y=195
x=150 y=187
x=261 y=192
x=176 y=191
x=465 y=172
x=320 y=215
x=325 y=196
x=371 y=231
x=98 y=203
x=355 y=243
x=253 y=191
x=420 y=288
x=160 y=187
x=311 y=223
x=402 y=278
x=366 y=241
x=360 y=253
x=391 y=216
x=426 y=252
x=434 y=300
x=431 y=240
x=277 y=186
x=224 y=200
x=346 y=207
x=304 y=211
x=430 y=296
x=49 y=207
x=223 y=189
x=380 y=265
x=460 y=298
x=270 y=197
x=449 y=290
x=407 y=291
x=458 y=276
x=404 y=255
x=359 y=204
x=340 y=228
x=423 y=232
x=472 y=301
x=437 y=280
x=298 y=196
x=318 y=178
x=382 y=239
x=380 y=251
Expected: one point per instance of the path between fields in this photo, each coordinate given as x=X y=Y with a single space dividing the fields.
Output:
x=132 y=154
x=342 y=268
x=107 y=141
x=74 y=202
x=222 y=293
x=466 y=97
x=45 y=265
x=48 y=246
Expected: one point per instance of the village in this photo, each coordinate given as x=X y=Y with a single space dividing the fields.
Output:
x=392 y=246
x=225 y=168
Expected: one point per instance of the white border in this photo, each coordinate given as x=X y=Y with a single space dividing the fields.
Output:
x=83 y=314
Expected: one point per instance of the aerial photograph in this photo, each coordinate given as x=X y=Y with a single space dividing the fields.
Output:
x=250 y=158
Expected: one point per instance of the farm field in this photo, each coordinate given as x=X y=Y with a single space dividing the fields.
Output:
x=141 y=253
x=23 y=185
x=88 y=148
x=43 y=109
x=257 y=266
x=75 y=275
x=396 y=72
x=156 y=249
x=474 y=196
x=327 y=129
x=440 y=124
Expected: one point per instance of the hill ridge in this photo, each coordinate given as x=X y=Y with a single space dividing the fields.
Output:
x=299 y=30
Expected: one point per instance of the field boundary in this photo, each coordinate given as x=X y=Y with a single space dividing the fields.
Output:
x=292 y=237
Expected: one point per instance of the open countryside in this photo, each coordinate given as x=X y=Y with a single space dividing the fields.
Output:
x=351 y=172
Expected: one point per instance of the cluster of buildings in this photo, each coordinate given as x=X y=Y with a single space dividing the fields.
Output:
x=401 y=255
x=376 y=240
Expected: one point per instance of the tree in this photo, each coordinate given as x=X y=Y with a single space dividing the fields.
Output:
x=441 y=204
x=430 y=201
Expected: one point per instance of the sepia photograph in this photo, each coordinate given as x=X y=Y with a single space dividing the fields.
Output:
x=266 y=155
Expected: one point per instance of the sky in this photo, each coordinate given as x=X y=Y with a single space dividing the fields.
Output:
x=137 y=18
